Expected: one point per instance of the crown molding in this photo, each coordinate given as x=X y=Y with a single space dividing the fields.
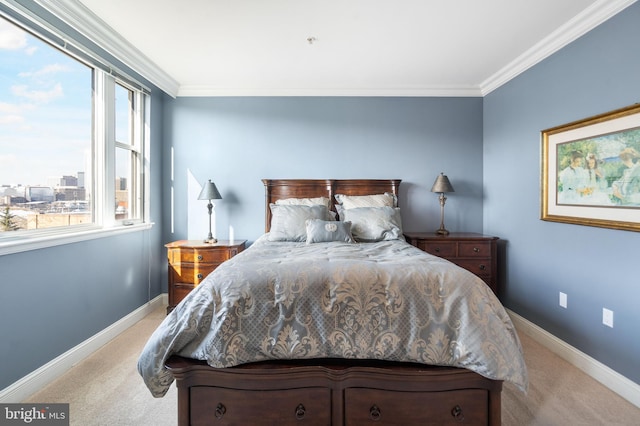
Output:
x=582 y=23
x=215 y=91
x=97 y=31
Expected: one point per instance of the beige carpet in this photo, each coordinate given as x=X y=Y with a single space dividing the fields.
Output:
x=106 y=389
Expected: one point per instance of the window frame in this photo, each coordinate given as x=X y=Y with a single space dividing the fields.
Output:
x=136 y=148
x=103 y=147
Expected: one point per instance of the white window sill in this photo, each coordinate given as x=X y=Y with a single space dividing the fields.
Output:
x=20 y=244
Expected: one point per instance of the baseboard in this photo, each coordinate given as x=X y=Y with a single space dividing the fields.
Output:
x=44 y=375
x=615 y=381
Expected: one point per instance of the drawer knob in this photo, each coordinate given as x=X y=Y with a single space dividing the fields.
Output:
x=220 y=410
x=300 y=412
x=476 y=249
x=457 y=414
x=437 y=250
x=199 y=276
x=200 y=257
x=374 y=413
x=482 y=267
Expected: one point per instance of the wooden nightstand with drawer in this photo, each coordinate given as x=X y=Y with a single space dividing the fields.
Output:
x=476 y=253
x=190 y=261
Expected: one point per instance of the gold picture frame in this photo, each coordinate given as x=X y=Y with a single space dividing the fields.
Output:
x=591 y=171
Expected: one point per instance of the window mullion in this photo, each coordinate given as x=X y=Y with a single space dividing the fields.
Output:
x=138 y=137
x=145 y=146
x=105 y=149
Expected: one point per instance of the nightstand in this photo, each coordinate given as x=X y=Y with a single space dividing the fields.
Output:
x=476 y=253
x=190 y=261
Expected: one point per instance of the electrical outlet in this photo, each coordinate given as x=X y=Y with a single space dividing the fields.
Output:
x=563 y=299
x=607 y=317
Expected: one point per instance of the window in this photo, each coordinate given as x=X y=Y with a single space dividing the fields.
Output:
x=73 y=151
x=128 y=154
x=45 y=116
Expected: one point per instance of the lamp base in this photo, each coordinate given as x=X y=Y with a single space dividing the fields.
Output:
x=442 y=231
x=211 y=240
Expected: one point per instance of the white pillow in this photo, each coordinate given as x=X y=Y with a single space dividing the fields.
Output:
x=370 y=224
x=323 y=201
x=288 y=222
x=377 y=200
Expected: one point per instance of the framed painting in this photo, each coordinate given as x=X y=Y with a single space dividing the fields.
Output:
x=591 y=171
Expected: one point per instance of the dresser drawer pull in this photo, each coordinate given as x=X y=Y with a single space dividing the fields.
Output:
x=457 y=414
x=482 y=267
x=476 y=249
x=374 y=413
x=437 y=250
x=220 y=410
x=300 y=412
x=199 y=276
x=200 y=257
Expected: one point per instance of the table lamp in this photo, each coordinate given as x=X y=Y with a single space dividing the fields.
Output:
x=442 y=185
x=210 y=192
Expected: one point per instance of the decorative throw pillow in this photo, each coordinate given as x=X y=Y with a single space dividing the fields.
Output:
x=370 y=224
x=322 y=231
x=288 y=222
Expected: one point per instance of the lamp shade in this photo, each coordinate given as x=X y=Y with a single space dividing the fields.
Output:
x=442 y=184
x=209 y=192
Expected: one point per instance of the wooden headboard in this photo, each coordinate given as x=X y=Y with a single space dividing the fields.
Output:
x=278 y=189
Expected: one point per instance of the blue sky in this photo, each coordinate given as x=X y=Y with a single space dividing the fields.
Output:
x=45 y=110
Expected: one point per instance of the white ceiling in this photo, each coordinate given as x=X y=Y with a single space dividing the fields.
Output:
x=358 y=47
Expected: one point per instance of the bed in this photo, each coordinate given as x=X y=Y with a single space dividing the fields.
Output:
x=335 y=322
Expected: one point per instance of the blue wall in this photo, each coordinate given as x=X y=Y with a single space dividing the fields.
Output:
x=236 y=142
x=595 y=267
x=55 y=298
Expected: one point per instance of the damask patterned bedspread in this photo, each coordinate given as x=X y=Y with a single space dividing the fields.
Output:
x=385 y=300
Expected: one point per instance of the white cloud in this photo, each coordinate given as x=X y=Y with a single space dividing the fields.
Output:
x=12 y=113
x=11 y=37
x=9 y=108
x=40 y=96
x=11 y=119
x=48 y=69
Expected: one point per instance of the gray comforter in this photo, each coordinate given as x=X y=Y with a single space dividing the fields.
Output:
x=385 y=300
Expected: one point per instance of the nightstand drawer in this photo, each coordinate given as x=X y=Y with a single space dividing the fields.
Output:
x=181 y=290
x=190 y=273
x=200 y=255
x=438 y=249
x=474 y=249
x=480 y=267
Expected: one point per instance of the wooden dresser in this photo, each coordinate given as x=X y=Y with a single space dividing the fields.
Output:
x=474 y=252
x=190 y=261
